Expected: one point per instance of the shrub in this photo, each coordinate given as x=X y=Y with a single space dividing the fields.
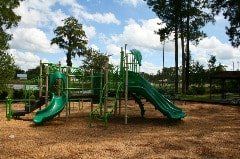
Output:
x=193 y=90
x=18 y=94
x=3 y=95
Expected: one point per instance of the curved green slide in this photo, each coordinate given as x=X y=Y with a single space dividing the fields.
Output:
x=140 y=86
x=56 y=105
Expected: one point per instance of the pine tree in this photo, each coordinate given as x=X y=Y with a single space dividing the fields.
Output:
x=231 y=12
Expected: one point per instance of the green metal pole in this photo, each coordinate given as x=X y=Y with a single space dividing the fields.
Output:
x=106 y=89
x=67 y=83
x=46 y=93
x=59 y=81
x=91 y=89
x=132 y=62
x=121 y=62
x=9 y=108
x=101 y=87
x=40 y=80
x=126 y=84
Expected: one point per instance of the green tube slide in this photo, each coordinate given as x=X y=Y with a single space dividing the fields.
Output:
x=137 y=84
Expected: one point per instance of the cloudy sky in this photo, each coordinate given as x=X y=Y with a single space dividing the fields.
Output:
x=109 y=24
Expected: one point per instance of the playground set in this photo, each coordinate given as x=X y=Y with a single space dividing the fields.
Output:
x=106 y=88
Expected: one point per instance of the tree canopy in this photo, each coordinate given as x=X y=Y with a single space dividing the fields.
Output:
x=72 y=38
x=94 y=60
x=8 y=19
x=7 y=71
x=231 y=12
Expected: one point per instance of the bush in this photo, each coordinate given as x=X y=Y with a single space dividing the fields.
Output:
x=193 y=90
x=167 y=90
x=18 y=94
x=3 y=95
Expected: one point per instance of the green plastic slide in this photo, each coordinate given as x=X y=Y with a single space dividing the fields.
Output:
x=55 y=107
x=137 y=84
x=57 y=103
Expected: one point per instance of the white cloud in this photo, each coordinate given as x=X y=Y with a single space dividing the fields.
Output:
x=130 y=2
x=90 y=31
x=36 y=13
x=106 y=18
x=79 y=11
x=95 y=47
x=149 y=67
x=113 y=49
x=25 y=60
x=57 y=17
x=141 y=35
x=213 y=46
x=32 y=40
x=224 y=52
x=76 y=62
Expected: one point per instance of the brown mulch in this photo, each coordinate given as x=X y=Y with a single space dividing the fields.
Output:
x=209 y=131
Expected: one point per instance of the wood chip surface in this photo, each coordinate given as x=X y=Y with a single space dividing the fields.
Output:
x=208 y=131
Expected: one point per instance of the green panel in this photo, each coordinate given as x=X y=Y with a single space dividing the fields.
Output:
x=97 y=85
x=55 y=76
x=137 y=84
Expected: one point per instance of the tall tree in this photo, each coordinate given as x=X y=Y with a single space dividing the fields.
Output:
x=182 y=36
x=169 y=13
x=231 y=12
x=184 y=18
x=8 y=19
x=195 y=16
x=71 y=37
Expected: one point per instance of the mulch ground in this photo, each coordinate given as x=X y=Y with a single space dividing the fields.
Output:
x=208 y=131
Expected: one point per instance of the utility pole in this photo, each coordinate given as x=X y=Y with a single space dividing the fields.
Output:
x=233 y=65
x=163 y=53
x=163 y=62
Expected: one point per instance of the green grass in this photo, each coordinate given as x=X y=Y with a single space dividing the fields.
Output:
x=206 y=97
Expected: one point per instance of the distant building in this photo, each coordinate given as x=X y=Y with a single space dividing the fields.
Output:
x=21 y=87
x=22 y=76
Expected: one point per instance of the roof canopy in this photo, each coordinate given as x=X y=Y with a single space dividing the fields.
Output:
x=226 y=75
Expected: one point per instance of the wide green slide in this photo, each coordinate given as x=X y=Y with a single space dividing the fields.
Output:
x=55 y=107
x=140 y=86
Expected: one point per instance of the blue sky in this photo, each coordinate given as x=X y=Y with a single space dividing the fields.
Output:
x=109 y=24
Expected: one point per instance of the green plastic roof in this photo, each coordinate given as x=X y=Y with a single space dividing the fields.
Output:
x=137 y=55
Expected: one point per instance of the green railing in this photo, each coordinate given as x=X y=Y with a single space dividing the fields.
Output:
x=8 y=108
x=98 y=112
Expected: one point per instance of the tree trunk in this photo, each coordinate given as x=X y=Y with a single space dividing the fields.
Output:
x=69 y=61
x=176 y=58
x=163 y=63
x=183 y=64
x=187 y=51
